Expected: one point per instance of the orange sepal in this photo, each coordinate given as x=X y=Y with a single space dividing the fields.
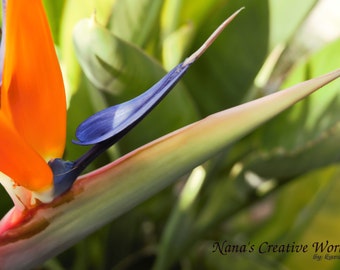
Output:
x=20 y=162
x=32 y=94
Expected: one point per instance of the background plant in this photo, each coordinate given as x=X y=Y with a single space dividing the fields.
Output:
x=283 y=177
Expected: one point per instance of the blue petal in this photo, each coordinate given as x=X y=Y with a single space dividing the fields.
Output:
x=64 y=175
x=114 y=122
x=106 y=127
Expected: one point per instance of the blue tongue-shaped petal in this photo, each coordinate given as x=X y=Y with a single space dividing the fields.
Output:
x=107 y=126
x=114 y=122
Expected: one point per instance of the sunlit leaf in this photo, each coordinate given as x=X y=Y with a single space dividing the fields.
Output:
x=281 y=28
x=313 y=126
x=69 y=19
x=224 y=78
x=135 y=21
x=54 y=10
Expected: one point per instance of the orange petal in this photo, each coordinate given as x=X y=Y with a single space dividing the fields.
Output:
x=20 y=162
x=33 y=94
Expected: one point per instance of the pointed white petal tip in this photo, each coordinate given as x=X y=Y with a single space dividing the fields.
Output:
x=192 y=58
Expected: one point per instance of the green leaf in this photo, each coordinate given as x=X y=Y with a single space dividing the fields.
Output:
x=69 y=19
x=307 y=217
x=223 y=78
x=282 y=152
x=177 y=13
x=135 y=21
x=100 y=196
x=54 y=10
x=323 y=224
x=175 y=46
x=282 y=29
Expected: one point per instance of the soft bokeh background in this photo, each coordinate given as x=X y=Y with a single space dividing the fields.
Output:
x=279 y=184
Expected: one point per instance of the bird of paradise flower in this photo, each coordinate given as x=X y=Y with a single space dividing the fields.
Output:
x=32 y=134
x=32 y=91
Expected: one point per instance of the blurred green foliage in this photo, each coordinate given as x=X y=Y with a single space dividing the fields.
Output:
x=278 y=184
